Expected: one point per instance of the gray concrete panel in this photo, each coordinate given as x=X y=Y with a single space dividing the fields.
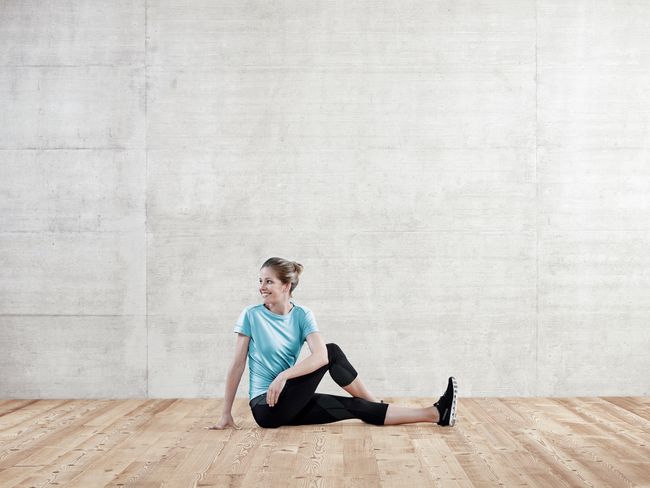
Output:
x=592 y=190
x=60 y=107
x=591 y=35
x=594 y=353
x=439 y=190
x=350 y=107
x=73 y=356
x=73 y=191
x=603 y=271
x=74 y=32
x=70 y=273
x=443 y=272
x=465 y=183
x=189 y=355
x=415 y=34
x=490 y=354
x=593 y=108
x=593 y=74
x=593 y=211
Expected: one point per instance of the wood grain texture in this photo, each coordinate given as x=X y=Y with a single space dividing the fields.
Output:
x=579 y=441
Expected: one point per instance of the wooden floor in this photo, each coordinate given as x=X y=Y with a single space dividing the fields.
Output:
x=145 y=443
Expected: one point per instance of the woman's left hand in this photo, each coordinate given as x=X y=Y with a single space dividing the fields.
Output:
x=275 y=388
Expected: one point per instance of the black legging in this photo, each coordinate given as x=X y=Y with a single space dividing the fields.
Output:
x=298 y=404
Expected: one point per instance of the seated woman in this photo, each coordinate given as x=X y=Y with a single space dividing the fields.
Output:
x=282 y=392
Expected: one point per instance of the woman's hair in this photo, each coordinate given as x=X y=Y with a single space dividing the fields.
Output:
x=286 y=271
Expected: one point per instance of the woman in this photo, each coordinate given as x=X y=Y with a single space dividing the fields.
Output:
x=282 y=392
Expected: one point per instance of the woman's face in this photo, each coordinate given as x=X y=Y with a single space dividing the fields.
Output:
x=271 y=288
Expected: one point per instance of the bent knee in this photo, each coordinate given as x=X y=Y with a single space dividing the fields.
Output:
x=333 y=348
x=334 y=352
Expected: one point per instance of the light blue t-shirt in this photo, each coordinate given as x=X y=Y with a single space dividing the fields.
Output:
x=275 y=342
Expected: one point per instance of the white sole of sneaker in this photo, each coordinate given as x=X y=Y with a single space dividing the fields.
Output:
x=454 y=401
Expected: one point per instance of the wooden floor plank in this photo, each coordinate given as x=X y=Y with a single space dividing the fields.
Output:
x=559 y=442
x=147 y=446
x=485 y=434
x=462 y=444
x=47 y=429
x=611 y=438
x=639 y=406
x=542 y=463
x=162 y=456
x=358 y=451
x=88 y=443
x=24 y=408
x=573 y=451
x=441 y=465
x=399 y=456
x=18 y=423
x=320 y=452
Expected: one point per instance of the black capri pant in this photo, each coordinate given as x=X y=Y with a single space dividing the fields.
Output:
x=298 y=404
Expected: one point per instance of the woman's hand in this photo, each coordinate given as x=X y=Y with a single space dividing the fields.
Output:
x=225 y=421
x=275 y=388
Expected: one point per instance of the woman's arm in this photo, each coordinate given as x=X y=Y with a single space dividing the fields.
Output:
x=232 y=382
x=235 y=371
x=317 y=359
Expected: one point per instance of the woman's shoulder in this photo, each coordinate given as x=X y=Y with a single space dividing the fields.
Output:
x=302 y=309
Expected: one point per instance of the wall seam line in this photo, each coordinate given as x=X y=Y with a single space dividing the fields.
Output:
x=146 y=209
x=537 y=386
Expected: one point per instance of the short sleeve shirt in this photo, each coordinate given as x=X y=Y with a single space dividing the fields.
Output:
x=276 y=341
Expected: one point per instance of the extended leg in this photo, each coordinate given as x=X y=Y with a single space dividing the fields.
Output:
x=323 y=409
x=407 y=415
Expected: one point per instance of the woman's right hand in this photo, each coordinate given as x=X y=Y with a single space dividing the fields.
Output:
x=225 y=421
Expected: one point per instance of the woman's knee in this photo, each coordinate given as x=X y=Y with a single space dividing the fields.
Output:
x=341 y=371
x=333 y=350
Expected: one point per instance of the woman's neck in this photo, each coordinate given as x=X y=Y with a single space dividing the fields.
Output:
x=280 y=308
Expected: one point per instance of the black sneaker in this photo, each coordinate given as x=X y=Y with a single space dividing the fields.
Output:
x=446 y=405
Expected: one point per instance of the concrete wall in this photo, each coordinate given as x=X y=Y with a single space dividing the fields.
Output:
x=466 y=184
